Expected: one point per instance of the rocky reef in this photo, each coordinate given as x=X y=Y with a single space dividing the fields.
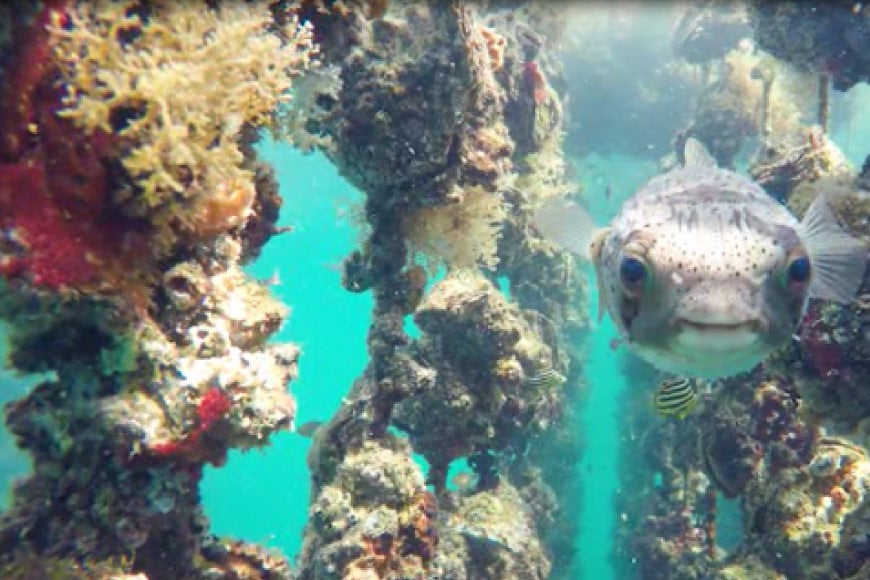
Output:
x=829 y=38
x=446 y=120
x=131 y=197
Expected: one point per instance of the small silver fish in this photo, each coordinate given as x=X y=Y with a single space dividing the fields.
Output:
x=703 y=273
x=273 y=280
x=548 y=378
x=308 y=428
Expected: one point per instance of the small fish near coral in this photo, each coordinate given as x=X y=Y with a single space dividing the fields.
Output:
x=676 y=397
x=703 y=273
x=309 y=428
x=548 y=378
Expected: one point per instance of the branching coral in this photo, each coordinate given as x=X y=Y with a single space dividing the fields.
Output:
x=145 y=146
x=177 y=83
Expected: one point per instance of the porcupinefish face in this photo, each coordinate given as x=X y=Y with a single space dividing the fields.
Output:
x=702 y=272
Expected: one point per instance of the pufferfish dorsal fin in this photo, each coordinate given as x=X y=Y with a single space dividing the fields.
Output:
x=696 y=155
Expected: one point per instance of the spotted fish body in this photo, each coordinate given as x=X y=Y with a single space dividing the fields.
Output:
x=716 y=239
x=703 y=273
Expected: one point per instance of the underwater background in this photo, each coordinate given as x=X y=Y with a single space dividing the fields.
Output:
x=273 y=481
x=625 y=90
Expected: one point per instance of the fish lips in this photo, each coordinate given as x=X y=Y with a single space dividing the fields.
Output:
x=720 y=338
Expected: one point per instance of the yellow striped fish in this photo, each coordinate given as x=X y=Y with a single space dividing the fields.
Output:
x=675 y=397
x=548 y=378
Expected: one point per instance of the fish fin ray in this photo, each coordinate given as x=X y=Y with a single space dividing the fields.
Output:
x=838 y=259
x=567 y=224
x=696 y=155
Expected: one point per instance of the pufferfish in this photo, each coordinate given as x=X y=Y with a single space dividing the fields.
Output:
x=703 y=273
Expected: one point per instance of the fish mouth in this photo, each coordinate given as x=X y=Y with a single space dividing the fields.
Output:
x=753 y=326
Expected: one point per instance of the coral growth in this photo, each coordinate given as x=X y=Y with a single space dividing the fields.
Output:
x=127 y=178
x=156 y=78
x=145 y=145
x=374 y=520
x=807 y=523
x=805 y=156
x=751 y=96
x=234 y=560
x=490 y=535
x=476 y=404
x=435 y=111
x=462 y=235
x=137 y=408
x=707 y=32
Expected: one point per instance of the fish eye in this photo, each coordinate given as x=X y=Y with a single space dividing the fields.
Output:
x=633 y=272
x=799 y=269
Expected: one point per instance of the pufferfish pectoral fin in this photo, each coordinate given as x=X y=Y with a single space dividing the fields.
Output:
x=568 y=225
x=838 y=259
x=571 y=226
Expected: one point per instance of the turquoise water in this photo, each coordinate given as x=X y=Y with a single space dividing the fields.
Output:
x=598 y=470
x=600 y=460
x=262 y=496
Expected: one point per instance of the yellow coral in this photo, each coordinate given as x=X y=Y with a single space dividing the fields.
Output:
x=178 y=87
x=462 y=235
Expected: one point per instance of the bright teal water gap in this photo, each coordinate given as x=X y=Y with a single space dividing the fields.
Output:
x=262 y=496
x=14 y=463
x=598 y=468
x=607 y=181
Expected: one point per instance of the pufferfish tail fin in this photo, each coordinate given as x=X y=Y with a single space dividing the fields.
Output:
x=838 y=259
